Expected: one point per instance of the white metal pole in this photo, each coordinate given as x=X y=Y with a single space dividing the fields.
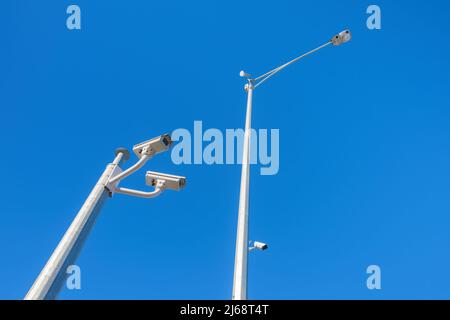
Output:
x=52 y=276
x=240 y=262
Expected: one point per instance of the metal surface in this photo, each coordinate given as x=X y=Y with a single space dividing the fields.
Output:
x=240 y=262
x=242 y=248
x=51 y=279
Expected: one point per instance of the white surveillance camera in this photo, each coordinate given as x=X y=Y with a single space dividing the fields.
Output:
x=341 y=37
x=170 y=181
x=260 y=245
x=244 y=74
x=153 y=146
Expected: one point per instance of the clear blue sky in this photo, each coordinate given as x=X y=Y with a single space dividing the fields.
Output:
x=364 y=159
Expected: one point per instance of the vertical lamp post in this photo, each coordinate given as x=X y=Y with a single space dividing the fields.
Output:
x=241 y=255
x=50 y=280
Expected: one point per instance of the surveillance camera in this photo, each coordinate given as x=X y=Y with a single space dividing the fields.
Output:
x=153 y=146
x=260 y=245
x=244 y=74
x=341 y=37
x=170 y=181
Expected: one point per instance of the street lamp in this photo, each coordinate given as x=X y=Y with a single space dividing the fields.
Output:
x=50 y=280
x=241 y=255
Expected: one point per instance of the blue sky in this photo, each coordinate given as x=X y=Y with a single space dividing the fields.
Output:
x=364 y=151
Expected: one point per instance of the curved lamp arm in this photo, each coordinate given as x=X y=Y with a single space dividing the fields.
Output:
x=337 y=40
x=262 y=78
x=159 y=188
x=160 y=185
x=130 y=170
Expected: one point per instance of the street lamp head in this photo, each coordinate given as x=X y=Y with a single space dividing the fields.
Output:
x=341 y=37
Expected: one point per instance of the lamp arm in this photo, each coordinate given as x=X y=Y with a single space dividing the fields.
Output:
x=144 y=158
x=262 y=78
x=138 y=193
x=159 y=188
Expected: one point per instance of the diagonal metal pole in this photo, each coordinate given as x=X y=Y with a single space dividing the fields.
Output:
x=51 y=279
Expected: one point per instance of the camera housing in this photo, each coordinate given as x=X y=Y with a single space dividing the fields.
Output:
x=171 y=182
x=153 y=146
x=260 y=245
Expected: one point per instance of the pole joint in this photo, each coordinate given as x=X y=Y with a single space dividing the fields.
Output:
x=249 y=85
